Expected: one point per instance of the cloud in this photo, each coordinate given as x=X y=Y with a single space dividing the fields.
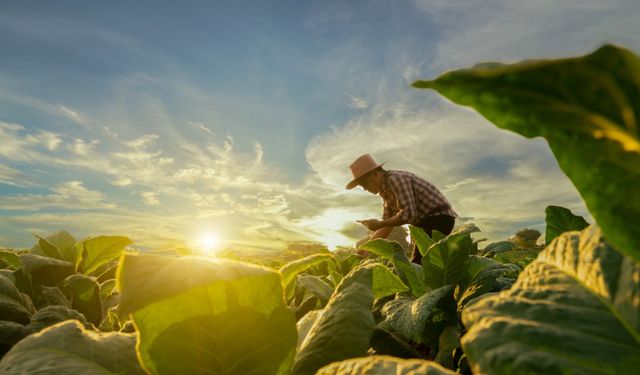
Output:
x=73 y=115
x=150 y=197
x=357 y=102
x=14 y=177
x=69 y=195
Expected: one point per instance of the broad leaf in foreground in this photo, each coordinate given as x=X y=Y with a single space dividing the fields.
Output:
x=559 y=220
x=344 y=327
x=67 y=348
x=384 y=365
x=575 y=309
x=197 y=314
x=588 y=109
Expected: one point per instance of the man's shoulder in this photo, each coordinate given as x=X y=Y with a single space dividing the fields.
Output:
x=402 y=175
x=397 y=173
x=406 y=177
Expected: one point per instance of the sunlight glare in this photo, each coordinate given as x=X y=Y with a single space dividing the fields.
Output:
x=208 y=243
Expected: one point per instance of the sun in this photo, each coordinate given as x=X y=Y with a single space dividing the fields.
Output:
x=208 y=243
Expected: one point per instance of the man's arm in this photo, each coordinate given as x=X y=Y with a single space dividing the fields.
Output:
x=394 y=221
x=381 y=233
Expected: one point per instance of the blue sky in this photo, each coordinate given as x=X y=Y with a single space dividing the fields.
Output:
x=164 y=120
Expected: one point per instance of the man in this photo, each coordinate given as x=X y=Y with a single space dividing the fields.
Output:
x=407 y=199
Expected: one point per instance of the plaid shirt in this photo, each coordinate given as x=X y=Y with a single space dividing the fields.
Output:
x=414 y=197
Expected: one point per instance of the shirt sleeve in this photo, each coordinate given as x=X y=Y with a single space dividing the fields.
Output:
x=406 y=199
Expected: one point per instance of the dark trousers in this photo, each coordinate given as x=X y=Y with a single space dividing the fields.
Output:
x=441 y=223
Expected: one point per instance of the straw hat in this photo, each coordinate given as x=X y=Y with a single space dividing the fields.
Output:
x=363 y=165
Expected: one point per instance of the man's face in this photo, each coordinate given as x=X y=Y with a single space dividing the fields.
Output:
x=369 y=182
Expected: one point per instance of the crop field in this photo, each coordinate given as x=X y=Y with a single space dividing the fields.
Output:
x=569 y=306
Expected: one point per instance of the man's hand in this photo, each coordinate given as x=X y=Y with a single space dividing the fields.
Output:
x=371 y=224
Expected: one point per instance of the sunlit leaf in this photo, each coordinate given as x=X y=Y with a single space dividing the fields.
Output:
x=576 y=309
x=384 y=365
x=197 y=314
x=343 y=328
x=588 y=109
x=67 y=348
x=96 y=251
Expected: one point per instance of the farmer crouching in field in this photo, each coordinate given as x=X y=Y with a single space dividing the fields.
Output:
x=407 y=199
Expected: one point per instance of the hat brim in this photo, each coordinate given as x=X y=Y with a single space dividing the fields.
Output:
x=355 y=182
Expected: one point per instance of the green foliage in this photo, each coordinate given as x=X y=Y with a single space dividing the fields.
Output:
x=85 y=296
x=588 y=109
x=409 y=272
x=560 y=220
x=448 y=342
x=10 y=258
x=411 y=317
x=445 y=263
x=519 y=257
x=421 y=239
x=291 y=269
x=14 y=305
x=96 y=251
x=385 y=282
x=580 y=313
x=225 y=315
x=383 y=365
x=343 y=328
x=498 y=247
x=482 y=277
x=67 y=348
x=58 y=245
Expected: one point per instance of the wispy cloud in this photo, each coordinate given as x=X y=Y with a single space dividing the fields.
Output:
x=69 y=195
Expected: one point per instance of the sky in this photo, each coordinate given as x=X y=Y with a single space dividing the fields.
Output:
x=169 y=121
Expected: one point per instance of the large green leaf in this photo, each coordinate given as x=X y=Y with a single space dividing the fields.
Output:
x=385 y=282
x=10 y=258
x=291 y=269
x=42 y=270
x=51 y=315
x=409 y=273
x=421 y=239
x=96 y=251
x=53 y=296
x=410 y=317
x=58 y=245
x=483 y=275
x=343 y=328
x=576 y=309
x=85 y=296
x=316 y=286
x=448 y=342
x=67 y=348
x=197 y=314
x=10 y=334
x=560 y=220
x=384 y=365
x=445 y=263
x=13 y=306
x=588 y=109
